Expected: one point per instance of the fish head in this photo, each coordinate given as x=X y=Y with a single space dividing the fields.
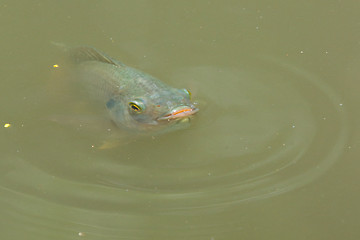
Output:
x=164 y=109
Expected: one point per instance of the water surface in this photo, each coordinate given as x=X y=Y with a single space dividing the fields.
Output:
x=271 y=154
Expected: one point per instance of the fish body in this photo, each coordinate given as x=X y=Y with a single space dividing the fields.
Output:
x=136 y=101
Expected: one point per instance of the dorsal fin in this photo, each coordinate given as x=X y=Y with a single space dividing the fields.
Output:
x=81 y=54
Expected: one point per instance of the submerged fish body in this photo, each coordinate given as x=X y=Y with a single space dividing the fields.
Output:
x=136 y=101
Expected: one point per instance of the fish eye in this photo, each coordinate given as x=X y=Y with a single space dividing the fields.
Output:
x=187 y=92
x=136 y=106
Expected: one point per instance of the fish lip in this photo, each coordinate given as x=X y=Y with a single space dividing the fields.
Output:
x=179 y=113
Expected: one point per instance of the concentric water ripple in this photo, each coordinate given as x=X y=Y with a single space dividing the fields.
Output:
x=263 y=131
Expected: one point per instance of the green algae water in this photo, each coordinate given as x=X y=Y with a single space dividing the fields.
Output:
x=272 y=153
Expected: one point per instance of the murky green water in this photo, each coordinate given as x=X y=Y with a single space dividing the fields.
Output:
x=272 y=154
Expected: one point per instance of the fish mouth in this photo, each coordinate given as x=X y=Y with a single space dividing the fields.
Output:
x=179 y=113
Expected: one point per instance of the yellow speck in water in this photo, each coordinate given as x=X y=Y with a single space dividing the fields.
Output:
x=6 y=125
x=55 y=66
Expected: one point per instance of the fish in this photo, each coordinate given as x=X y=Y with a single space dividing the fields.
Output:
x=135 y=101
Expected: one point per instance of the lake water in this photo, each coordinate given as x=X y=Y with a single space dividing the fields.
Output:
x=272 y=153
